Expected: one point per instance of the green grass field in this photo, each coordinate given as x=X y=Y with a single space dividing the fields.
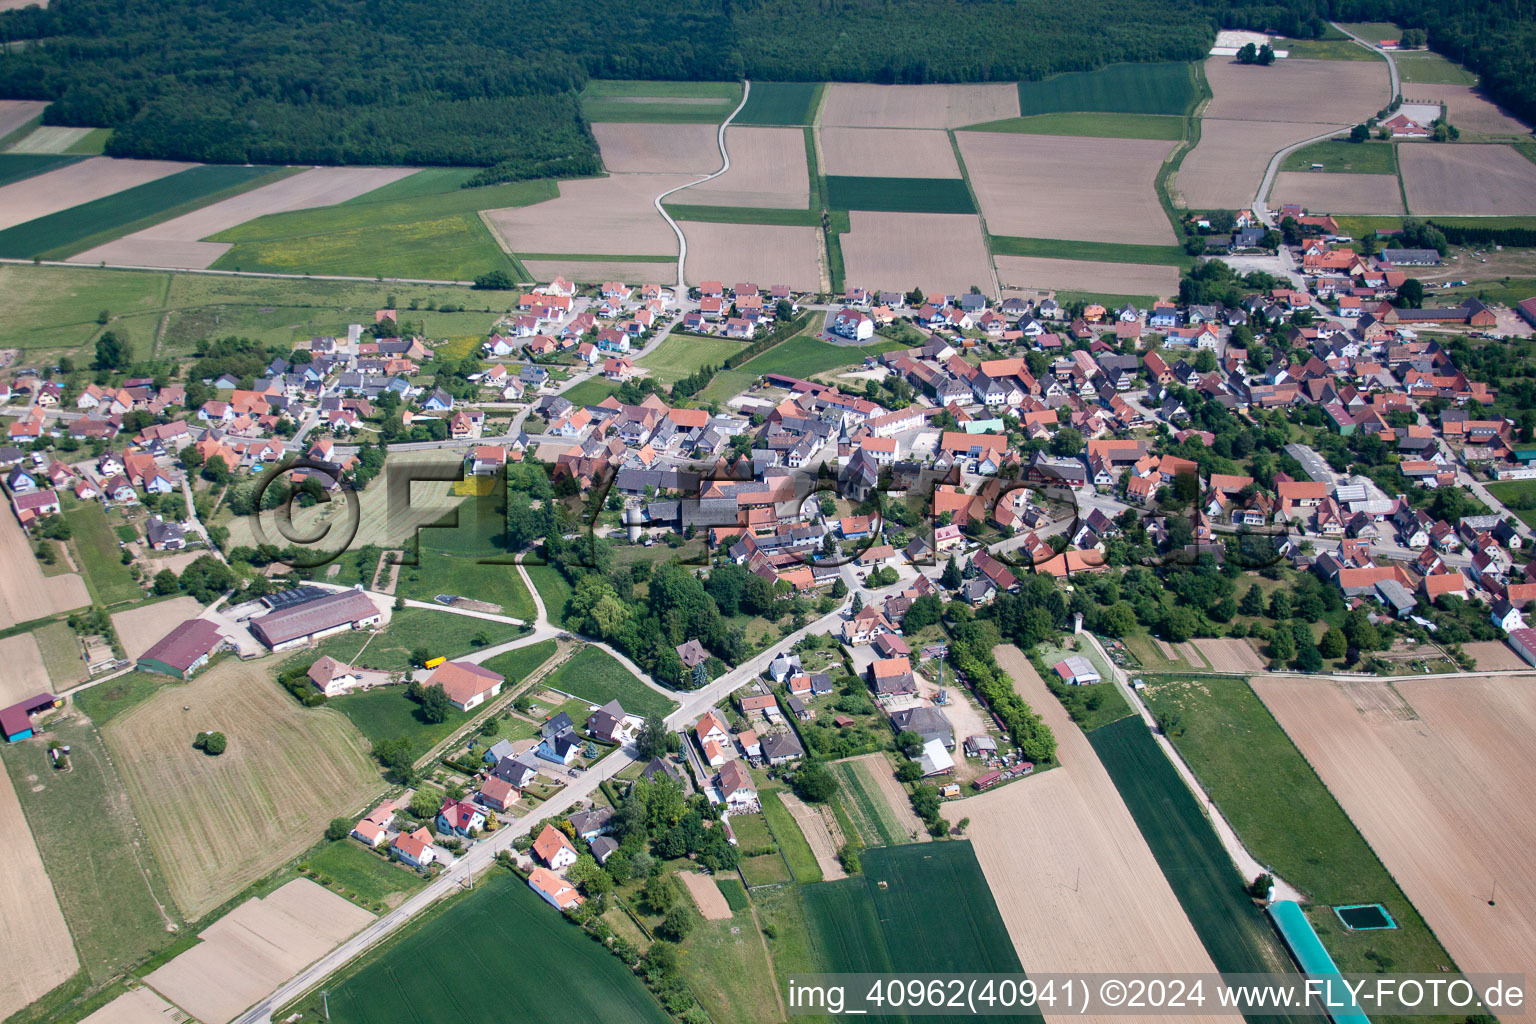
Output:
x=80 y=227
x=590 y=391
x=681 y=355
x=442 y=633
x=1514 y=493
x=792 y=842
x=1342 y=48
x=734 y=894
x=99 y=557
x=385 y=712
x=519 y=663
x=61 y=654
x=1098 y=125
x=1109 y=300
x=365 y=878
x=866 y=807
x=787 y=103
x=609 y=100
x=1373 y=157
x=1117 y=89
x=1114 y=252
x=728 y=968
x=746 y=215
x=105 y=701
x=411 y=232
x=92 y=143
x=526 y=958
x=553 y=589
x=726 y=385
x=899 y=195
x=1243 y=758
x=804 y=355
x=440 y=572
x=595 y=675
x=1422 y=67
x=16 y=166
x=1231 y=928
x=1373 y=31
x=107 y=881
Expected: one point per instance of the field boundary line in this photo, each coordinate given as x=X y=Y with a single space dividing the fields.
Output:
x=986 y=235
x=725 y=165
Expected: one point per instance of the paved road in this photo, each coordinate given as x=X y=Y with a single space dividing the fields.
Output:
x=1391 y=60
x=725 y=165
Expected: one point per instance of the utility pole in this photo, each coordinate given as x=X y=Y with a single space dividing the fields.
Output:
x=325 y=998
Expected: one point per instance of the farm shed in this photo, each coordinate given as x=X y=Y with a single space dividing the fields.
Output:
x=1077 y=670
x=300 y=623
x=16 y=720
x=183 y=650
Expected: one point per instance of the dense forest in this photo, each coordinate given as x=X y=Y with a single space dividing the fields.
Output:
x=493 y=84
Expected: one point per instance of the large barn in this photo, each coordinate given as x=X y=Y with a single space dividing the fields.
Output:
x=183 y=650
x=294 y=625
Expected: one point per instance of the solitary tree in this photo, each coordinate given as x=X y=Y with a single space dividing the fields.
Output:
x=652 y=738
x=339 y=828
x=435 y=704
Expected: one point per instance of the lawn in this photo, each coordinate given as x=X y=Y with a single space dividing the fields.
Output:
x=1109 y=300
x=107 y=882
x=81 y=227
x=99 y=556
x=105 y=701
x=1163 y=127
x=780 y=103
x=614 y=100
x=1519 y=496
x=432 y=235
x=16 y=166
x=1423 y=67
x=792 y=842
x=726 y=385
x=1233 y=931
x=1114 y=252
x=590 y=391
x=804 y=355
x=365 y=878
x=765 y=869
x=553 y=590
x=441 y=633
x=1243 y=759
x=385 y=713
x=519 y=663
x=681 y=355
x=728 y=968
x=526 y=956
x=900 y=195
x=439 y=572
x=734 y=894
x=596 y=676
x=1117 y=89
x=1375 y=157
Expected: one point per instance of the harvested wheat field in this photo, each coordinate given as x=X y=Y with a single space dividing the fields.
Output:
x=821 y=831
x=25 y=674
x=176 y=243
x=74 y=184
x=255 y=948
x=888 y=153
x=918 y=106
x=610 y=216
x=35 y=941
x=219 y=823
x=1040 y=273
x=1470 y=110
x=49 y=139
x=25 y=593
x=1063 y=848
x=1467 y=180
x=658 y=148
x=775 y=254
x=139 y=629
x=706 y=895
x=768 y=169
x=1333 y=91
x=1225 y=655
x=15 y=113
x=1052 y=186
x=938 y=252
x=1439 y=784
x=597 y=271
x=1338 y=193
x=1227 y=167
x=136 y=1006
x=1494 y=656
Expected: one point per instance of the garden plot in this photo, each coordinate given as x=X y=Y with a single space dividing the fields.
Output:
x=35 y=941
x=1330 y=91
x=1339 y=193
x=707 y=895
x=1038 y=273
x=15 y=113
x=78 y=183
x=177 y=242
x=1469 y=110
x=658 y=148
x=141 y=628
x=1224 y=171
x=1467 y=180
x=25 y=674
x=615 y=215
x=918 y=106
x=1087 y=869
x=1054 y=186
x=598 y=271
x=25 y=593
x=887 y=152
x=768 y=169
x=255 y=948
x=941 y=253
x=1441 y=793
x=772 y=254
